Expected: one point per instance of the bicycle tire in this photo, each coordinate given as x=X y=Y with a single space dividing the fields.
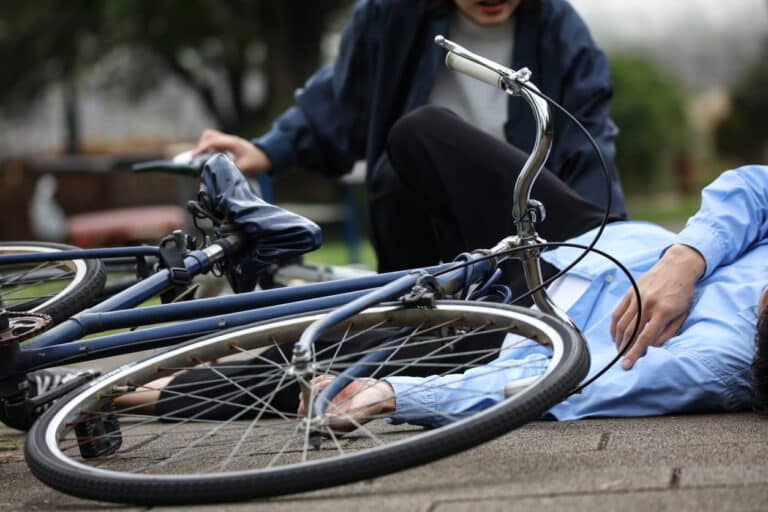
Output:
x=74 y=289
x=46 y=445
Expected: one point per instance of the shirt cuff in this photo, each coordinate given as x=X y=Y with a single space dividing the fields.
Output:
x=279 y=150
x=704 y=238
x=413 y=401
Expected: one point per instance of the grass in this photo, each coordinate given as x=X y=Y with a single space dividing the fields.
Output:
x=336 y=252
x=669 y=210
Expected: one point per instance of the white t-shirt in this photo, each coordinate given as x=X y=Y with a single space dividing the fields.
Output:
x=476 y=102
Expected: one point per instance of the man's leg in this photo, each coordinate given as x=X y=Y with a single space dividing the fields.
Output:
x=403 y=234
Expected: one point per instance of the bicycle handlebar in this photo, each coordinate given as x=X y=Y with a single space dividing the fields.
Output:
x=515 y=83
x=473 y=69
x=185 y=164
x=168 y=166
x=464 y=61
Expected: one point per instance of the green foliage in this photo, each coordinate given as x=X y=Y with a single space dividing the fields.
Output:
x=209 y=45
x=743 y=134
x=648 y=107
x=43 y=42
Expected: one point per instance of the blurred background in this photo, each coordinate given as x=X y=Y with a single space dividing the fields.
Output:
x=90 y=86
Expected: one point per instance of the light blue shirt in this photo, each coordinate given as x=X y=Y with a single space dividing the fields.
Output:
x=704 y=367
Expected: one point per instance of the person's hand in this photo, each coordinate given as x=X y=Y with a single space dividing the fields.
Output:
x=666 y=291
x=360 y=401
x=248 y=158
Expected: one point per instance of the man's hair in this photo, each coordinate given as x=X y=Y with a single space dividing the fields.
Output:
x=759 y=374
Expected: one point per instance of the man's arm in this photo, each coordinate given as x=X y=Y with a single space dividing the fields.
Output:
x=666 y=291
x=732 y=217
x=427 y=401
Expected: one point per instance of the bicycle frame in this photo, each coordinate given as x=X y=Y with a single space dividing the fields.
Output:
x=57 y=346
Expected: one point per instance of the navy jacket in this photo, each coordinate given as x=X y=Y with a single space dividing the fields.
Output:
x=386 y=67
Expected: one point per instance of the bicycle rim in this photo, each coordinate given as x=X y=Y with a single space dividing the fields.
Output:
x=200 y=460
x=57 y=288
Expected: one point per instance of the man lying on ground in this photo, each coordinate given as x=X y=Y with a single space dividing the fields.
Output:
x=700 y=291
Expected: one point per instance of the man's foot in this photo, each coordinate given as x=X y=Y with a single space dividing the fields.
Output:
x=48 y=379
x=21 y=414
x=760 y=362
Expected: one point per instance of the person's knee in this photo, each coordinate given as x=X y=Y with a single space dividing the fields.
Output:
x=409 y=130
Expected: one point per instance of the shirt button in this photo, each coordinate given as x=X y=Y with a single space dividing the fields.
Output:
x=608 y=278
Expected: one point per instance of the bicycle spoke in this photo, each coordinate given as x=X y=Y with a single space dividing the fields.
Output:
x=9 y=290
x=231 y=417
x=250 y=428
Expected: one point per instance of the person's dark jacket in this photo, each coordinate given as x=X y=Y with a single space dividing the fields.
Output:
x=386 y=67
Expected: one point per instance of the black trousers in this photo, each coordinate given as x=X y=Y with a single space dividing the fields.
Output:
x=445 y=187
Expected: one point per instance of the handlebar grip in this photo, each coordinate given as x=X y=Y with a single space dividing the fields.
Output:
x=462 y=65
x=168 y=167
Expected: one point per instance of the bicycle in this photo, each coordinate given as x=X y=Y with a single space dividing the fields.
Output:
x=89 y=445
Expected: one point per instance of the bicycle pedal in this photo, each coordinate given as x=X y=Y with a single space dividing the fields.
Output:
x=99 y=437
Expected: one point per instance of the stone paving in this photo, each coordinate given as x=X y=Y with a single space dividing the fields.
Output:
x=697 y=463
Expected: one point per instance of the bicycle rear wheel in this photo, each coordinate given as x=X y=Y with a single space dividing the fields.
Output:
x=57 y=288
x=262 y=448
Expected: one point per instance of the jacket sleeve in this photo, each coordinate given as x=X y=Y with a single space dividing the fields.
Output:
x=324 y=131
x=733 y=216
x=441 y=399
x=586 y=92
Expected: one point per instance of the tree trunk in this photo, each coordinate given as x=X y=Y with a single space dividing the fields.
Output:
x=71 y=117
x=293 y=39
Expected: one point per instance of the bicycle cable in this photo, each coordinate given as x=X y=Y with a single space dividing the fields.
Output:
x=587 y=249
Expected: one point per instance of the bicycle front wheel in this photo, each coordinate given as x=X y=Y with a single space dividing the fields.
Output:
x=57 y=288
x=226 y=428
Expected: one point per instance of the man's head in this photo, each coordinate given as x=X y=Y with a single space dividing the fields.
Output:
x=759 y=375
x=487 y=12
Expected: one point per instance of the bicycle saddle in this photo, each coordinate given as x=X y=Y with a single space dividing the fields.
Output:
x=272 y=234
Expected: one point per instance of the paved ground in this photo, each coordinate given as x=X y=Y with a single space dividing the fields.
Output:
x=701 y=463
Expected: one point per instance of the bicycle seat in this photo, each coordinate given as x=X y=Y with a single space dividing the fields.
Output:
x=272 y=234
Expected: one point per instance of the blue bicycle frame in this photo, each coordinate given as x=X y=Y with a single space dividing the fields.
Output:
x=63 y=343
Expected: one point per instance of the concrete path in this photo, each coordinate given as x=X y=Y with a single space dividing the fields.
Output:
x=696 y=463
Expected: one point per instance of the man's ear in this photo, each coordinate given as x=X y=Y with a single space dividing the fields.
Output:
x=763 y=302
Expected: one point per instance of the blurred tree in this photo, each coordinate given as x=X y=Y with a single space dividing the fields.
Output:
x=648 y=108
x=743 y=134
x=213 y=45
x=46 y=42
x=210 y=45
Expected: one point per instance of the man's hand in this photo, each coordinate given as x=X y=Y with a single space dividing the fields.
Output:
x=359 y=402
x=248 y=158
x=666 y=291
